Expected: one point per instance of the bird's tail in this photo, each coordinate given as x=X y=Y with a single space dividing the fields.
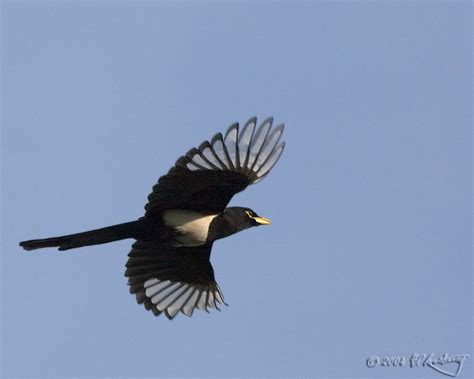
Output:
x=91 y=237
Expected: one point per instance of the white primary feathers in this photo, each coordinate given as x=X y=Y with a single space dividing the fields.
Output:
x=252 y=151
x=172 y=297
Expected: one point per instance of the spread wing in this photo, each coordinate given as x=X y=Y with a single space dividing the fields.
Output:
x=169 y=280
x=206 y=178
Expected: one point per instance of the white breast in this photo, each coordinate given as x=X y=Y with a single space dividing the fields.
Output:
x=193 y=225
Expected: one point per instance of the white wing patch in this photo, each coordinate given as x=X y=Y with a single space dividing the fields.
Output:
x=194 y=226
x=173 y=297
x=252 y=151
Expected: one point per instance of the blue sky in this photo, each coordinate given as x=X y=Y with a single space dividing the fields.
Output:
x=370 y=248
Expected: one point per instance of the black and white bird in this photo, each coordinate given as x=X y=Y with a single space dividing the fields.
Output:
x=169 y=267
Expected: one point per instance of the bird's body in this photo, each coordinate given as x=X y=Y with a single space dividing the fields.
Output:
x=169 y=268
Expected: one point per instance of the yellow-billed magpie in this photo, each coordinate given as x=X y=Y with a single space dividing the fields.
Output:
x=168 y=267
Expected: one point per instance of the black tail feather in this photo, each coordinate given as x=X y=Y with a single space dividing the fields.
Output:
x=91 y=237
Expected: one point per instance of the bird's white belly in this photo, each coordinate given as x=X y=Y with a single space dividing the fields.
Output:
x=193 y=226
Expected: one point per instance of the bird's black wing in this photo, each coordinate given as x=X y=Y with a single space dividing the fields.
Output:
x=169 y=280
x=206 y=178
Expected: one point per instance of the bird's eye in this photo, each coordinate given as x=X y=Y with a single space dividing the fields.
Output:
x=249 y=214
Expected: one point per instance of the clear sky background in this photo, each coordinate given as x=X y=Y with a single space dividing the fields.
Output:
x=370 y=249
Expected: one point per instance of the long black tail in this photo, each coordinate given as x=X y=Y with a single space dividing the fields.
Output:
x=91 y=237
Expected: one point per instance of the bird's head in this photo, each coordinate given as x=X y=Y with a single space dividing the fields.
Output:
x=244 y=218
x=233 y=220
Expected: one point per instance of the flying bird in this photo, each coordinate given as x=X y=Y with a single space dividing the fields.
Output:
x=169 y=267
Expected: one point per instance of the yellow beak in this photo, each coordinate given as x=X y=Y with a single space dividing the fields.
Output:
x=262 y=220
